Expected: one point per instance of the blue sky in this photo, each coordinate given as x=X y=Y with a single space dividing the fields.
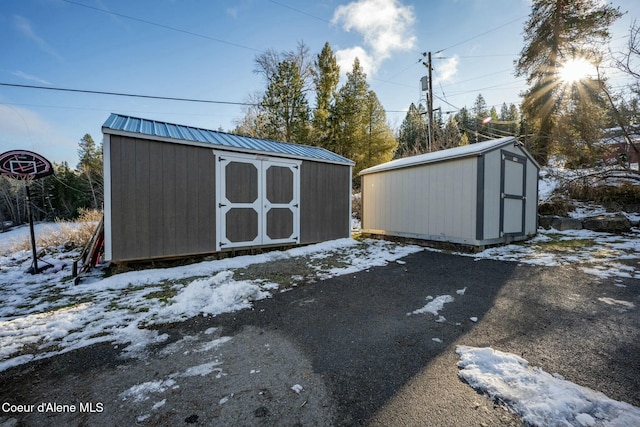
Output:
x=206 y=50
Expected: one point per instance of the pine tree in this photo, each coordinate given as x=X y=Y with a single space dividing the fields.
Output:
x=412 y=135
x=326 y=79
x=480 y=113
x=557 y=31
x=379 y=143
x=465 y=123
x=360 y=131
x=284 y=106
x=90 y=169
x=347 y=114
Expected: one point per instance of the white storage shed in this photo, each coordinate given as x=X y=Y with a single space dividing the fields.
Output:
x=480 y=194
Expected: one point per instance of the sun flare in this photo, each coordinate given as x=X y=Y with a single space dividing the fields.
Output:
x=575 y=69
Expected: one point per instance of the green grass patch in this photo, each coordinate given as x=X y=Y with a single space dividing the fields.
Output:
x=558 y=245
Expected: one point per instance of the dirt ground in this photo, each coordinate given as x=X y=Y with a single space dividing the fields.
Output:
x=344 y=352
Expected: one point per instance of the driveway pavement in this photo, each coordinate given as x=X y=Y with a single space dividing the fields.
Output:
x=346 y=352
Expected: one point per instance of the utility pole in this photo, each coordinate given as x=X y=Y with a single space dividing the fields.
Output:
x=429 y=89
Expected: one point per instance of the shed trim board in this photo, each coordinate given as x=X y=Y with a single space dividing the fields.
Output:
x=106 y=159
x=164 y=195
x=480 y=195
x=480 y=200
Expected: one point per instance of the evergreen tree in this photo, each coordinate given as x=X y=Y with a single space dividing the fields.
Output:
x=359 y=123
x=90 y=169
x=284 y=106
x=451 y=133
x=557 y=31
x=513 y=117
x=412 y=135
x=465 y=123
x=379 y=144
x=480 y=113
x=348 y=113
x=326 y=79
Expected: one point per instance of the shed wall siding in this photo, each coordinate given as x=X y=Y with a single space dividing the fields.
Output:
x=162 y=199
x=430 y=200
x=325 y=201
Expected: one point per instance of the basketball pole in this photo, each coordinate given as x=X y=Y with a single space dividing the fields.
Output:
x=31 y=231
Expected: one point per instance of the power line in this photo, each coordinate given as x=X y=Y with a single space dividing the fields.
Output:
x=300 y=11
x=131 y=95
x=166 y=27
x=482 y=34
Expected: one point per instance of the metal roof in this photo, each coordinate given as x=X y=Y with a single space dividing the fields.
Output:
x=470 y=150
x=125 y=125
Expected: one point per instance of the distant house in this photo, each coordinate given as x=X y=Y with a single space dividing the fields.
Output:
x=619 y=147
x=479 y=194
x=174 y=190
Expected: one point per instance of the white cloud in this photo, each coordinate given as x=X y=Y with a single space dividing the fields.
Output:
x=445 y=70
x=25 y=76
x=386 y=25
x=24 y=26
x=345 y=58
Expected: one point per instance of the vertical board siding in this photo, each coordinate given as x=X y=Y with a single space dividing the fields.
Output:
x=168 y=199
x=181 y=176
x=162 y=199
x=324 y=201
x=156 y=192
x=430 y=200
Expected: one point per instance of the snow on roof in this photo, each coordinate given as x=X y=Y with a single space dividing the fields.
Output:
x=470 y=150
x=120 y=124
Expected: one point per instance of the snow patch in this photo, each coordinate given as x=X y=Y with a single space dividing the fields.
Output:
x=541 y=399
x=434 y=305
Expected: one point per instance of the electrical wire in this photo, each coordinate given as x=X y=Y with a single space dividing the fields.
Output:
x=300 y=11
x=482 y=34
x=131 y=95
x=166 y=27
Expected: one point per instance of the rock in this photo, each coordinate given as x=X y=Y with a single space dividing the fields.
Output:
x=544 y=221
x=560 y=223
x=617 y=223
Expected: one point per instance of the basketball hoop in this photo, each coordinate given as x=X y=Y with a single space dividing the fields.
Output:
x=26 y=166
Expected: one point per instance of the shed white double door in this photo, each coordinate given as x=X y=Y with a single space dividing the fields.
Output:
x=257 y=200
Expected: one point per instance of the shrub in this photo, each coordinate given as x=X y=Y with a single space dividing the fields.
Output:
x=69 y=235
x=625 y=196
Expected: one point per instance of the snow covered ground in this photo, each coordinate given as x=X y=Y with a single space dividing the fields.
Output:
x=45 y=315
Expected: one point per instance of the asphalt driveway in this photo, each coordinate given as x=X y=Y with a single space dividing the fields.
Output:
x=347 y=351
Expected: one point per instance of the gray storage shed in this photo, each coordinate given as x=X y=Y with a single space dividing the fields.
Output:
x=479 y=194
x=173 y=190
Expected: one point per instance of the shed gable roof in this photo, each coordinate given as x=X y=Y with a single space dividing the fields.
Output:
x=118 y=124
x=455 y=153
